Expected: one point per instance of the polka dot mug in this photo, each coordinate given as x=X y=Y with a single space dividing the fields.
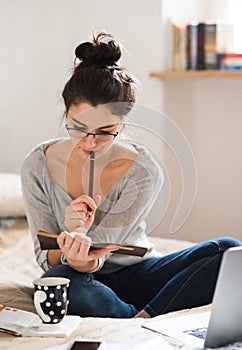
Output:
x=51 y=299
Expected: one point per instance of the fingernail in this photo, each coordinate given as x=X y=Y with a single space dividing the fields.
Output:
x=72 y=234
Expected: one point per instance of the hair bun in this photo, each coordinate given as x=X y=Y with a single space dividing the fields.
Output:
x=104 y=50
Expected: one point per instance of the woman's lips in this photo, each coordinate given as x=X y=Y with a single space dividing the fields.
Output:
x=87 y=152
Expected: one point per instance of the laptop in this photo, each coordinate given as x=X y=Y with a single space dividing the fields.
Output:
x=223 y=324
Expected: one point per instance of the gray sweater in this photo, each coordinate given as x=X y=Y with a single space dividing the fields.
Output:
x=119 y=218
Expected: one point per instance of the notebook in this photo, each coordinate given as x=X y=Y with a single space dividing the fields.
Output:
x=25 y=323
x=221 y=326
x=47 y=240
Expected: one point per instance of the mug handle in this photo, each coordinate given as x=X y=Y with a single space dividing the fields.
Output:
x=40 y=297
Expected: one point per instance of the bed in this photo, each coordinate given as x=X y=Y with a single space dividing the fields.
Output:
x=18 y=269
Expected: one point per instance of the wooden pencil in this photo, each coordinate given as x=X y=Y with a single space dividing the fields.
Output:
x=91 y=174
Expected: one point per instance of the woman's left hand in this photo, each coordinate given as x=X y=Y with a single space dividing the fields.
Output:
x=77 y=251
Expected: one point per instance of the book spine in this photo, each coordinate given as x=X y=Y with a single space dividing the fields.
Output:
x=176 y=47
x=231 y=61
x=179 y=47
x=200 y=46
x=193 y=45
x=224 y=38
x=188 y=47
x=210 y=46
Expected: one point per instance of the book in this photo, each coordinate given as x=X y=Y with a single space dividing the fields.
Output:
x=218 y=39
x=179 y=47
x=210 y=46
x=224 y=37
x=25 y=323
x=231 y=61
x=200 y=46
x=192 y=46
x=48 y=241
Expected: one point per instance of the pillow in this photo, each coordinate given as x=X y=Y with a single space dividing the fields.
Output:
x=11 y=200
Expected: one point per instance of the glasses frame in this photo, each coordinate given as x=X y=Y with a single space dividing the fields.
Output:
x=103 y=133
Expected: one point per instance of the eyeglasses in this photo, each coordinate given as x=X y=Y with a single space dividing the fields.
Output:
x=80 y=133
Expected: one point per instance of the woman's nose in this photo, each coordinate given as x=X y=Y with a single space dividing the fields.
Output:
x=89 y=141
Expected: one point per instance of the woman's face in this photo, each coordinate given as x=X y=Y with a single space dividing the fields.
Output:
x=82 y=119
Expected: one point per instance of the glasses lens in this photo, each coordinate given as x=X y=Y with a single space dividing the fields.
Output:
x=78 y=134
x=104 y=137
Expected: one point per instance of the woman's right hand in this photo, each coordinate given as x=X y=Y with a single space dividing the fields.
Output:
x=80 y=214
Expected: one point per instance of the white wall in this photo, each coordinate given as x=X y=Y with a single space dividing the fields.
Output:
x=38 y=38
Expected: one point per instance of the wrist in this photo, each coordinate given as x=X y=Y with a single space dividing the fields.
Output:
x=87 y=266
x=63 y=259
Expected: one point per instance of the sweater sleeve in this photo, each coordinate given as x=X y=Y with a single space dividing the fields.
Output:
x=36 y=200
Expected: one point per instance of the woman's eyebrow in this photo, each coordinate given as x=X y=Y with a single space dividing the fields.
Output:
x=107 y=126
x=78 y=122
x=100 y=127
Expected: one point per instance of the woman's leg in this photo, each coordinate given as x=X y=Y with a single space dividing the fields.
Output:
x=180 y=280
x=88 y=297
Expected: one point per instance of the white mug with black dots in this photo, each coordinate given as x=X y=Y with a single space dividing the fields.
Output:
x=51 y=298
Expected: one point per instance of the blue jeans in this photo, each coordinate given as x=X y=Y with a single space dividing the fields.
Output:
x=180 y=280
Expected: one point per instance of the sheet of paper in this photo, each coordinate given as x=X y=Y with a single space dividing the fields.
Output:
x=179 y=327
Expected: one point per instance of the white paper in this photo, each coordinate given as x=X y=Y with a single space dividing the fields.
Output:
x=177 y=327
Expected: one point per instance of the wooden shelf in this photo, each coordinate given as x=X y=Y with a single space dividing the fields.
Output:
x=193 y=74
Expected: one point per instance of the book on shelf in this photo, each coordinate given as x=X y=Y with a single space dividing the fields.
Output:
x=230 y=61
x=210 y=46
x=191 y=46
x=201 y=45
x=25 y=323
x=218 y=40
x=179 y=47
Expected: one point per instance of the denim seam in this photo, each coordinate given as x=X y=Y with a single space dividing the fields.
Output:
x=192 y=277
x=153 y=313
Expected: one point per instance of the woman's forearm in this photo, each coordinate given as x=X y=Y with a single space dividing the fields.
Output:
x=54 y=257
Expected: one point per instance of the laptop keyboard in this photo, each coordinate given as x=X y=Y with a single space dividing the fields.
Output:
x=199 y=332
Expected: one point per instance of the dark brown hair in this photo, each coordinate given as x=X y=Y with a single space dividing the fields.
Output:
x=98 y=79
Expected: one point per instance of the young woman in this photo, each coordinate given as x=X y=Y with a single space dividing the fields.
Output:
x=55 y=183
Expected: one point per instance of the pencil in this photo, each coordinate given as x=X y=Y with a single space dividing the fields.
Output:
x=8 y=331
x=91 y=174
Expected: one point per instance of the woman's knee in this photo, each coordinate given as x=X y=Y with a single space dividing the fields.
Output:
x=217 y=246
x=227 y=242
x=60 y=271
